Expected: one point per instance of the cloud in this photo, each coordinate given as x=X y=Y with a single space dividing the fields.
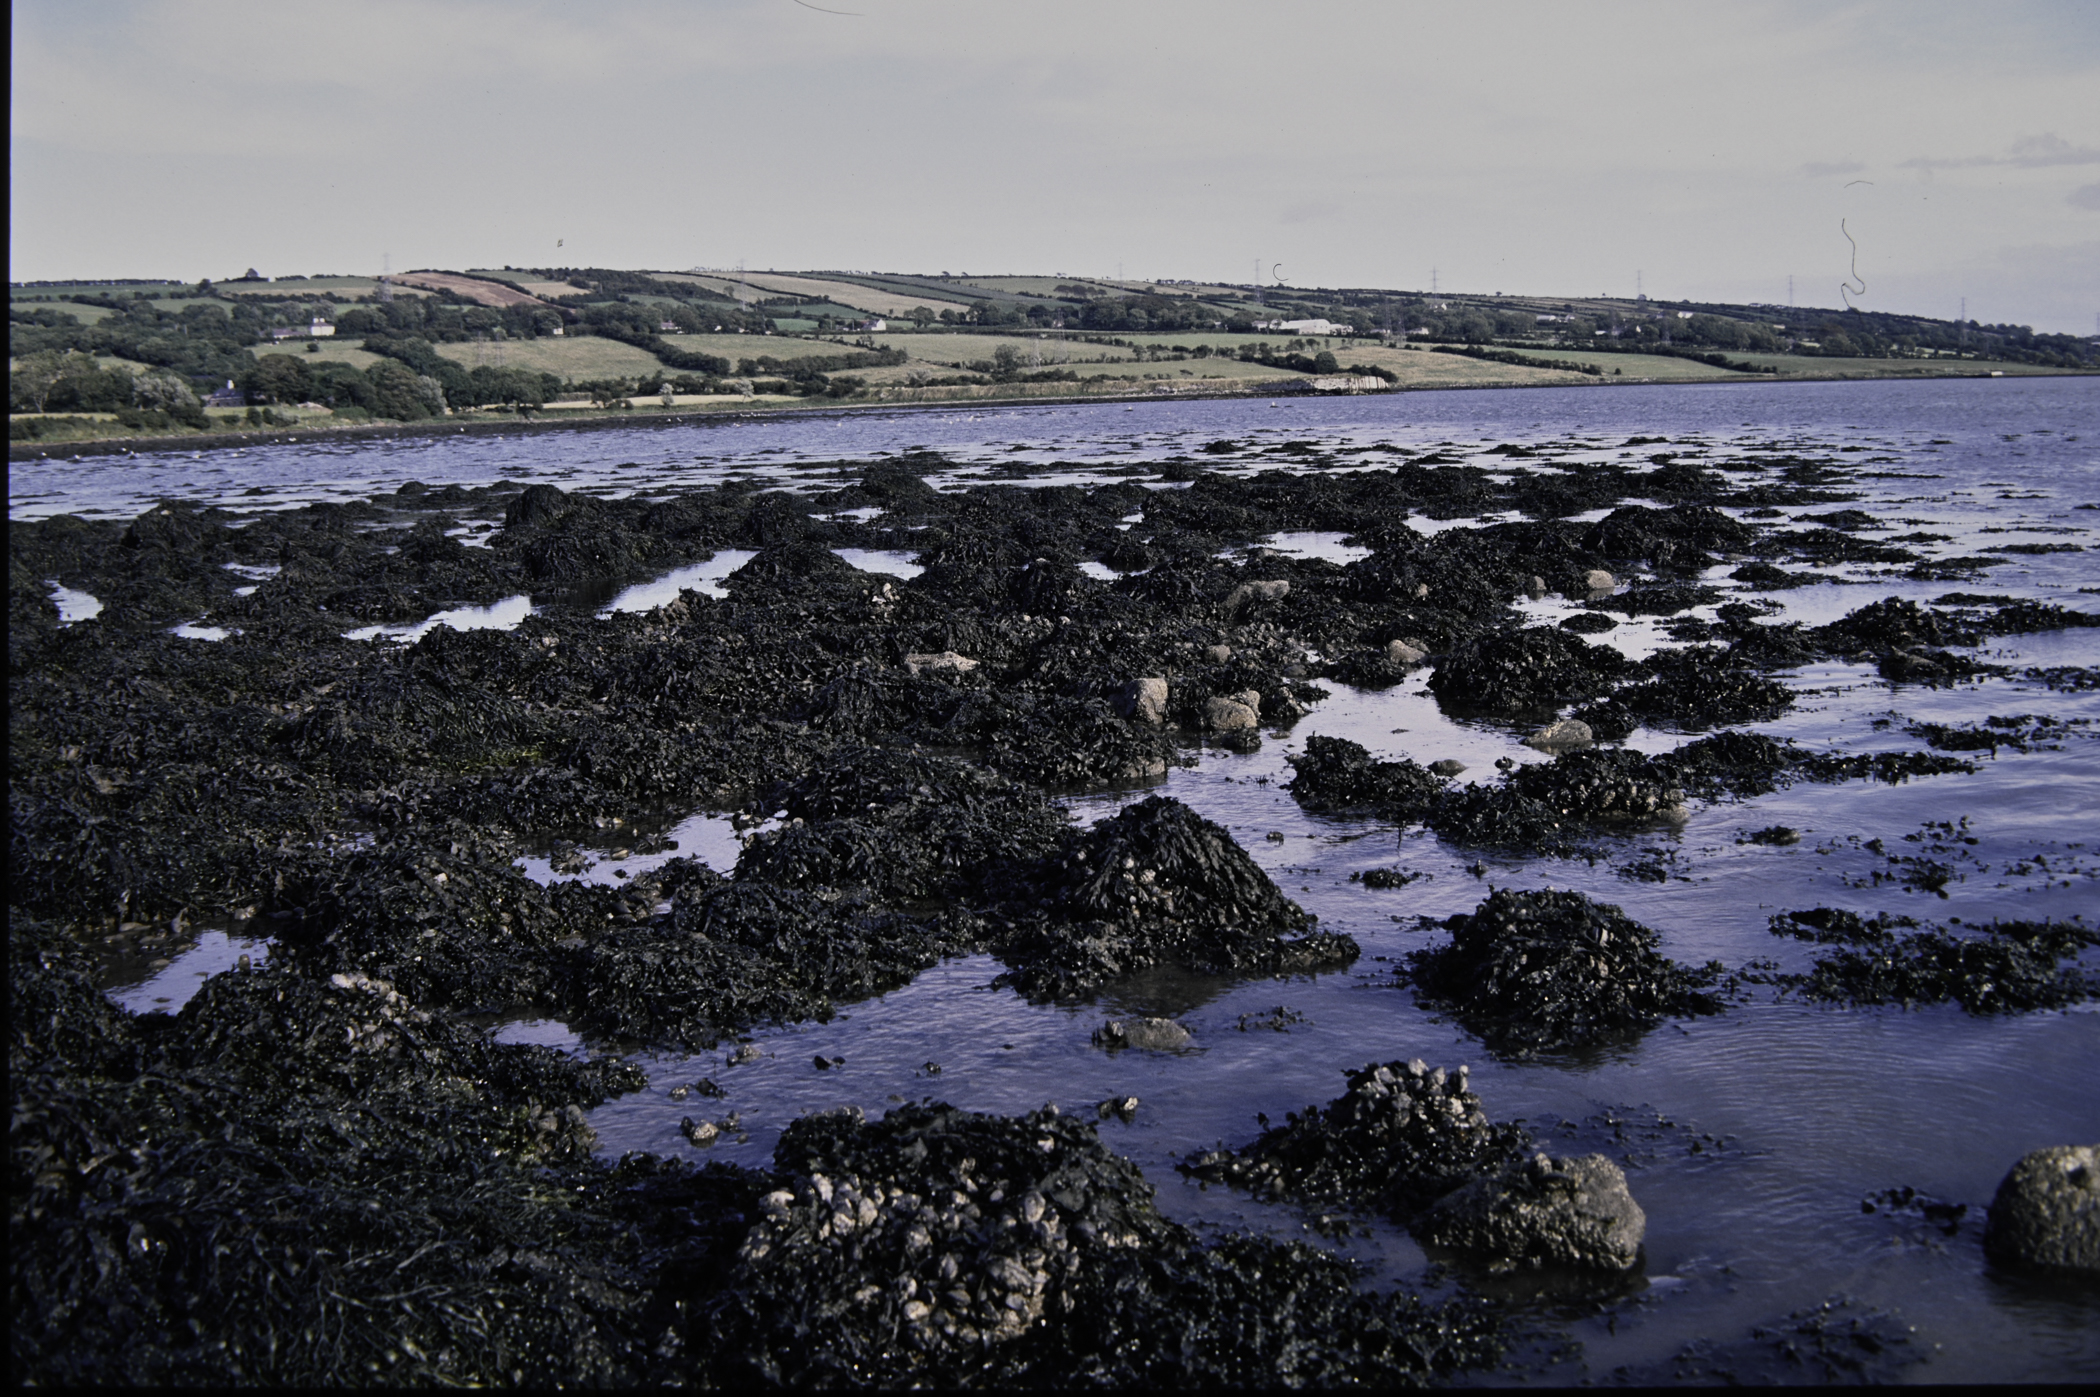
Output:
x=1822 y=169
x=2027 y=153
x=2086 y=196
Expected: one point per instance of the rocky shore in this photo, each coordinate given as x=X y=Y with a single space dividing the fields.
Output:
x=321 y=1169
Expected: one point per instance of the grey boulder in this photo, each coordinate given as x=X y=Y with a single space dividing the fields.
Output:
x=1405 y=653
x=1155 y=1035
x=1566 y=735
x=2047 y=1210
x=1240 y=712
x=1541 y=1211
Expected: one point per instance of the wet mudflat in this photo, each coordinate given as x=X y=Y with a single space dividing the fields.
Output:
x=670 y=974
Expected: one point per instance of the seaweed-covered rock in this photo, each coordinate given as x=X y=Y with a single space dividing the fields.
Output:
x=1335 y=776
x=733 y=954
x=1673 y=540
x=234 y=1194
x=1157 y=884
x=1541 y=1211
x=1066 y=743
x=1549 y=805
x=941 y=1248
x=1549 y=971
x=2005 y=968
x=1402 y=1136
x=2047 y=1210
x=1515 y=672
x=908 y=829
x=1702 y=688
x=1893 y=623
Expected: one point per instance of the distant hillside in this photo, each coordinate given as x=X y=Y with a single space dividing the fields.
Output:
x=100 y=359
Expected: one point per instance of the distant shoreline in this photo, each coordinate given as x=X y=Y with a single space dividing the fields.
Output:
x=569 y=420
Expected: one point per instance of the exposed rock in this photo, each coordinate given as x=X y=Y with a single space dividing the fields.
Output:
x=1251 y=593
x=1541 y=1211
x=1153 y=1035
x=1235 y=714
x=1144 y=701
x=1598 y=580
x=2047 y=1210
x=1405 y=653
x=1566 y=735
x=946 y=662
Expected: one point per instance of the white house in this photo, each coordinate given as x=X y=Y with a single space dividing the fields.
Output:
x=1305 y=327
x=319 y=329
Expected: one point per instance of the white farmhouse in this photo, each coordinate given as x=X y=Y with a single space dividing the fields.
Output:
x=1305 y=327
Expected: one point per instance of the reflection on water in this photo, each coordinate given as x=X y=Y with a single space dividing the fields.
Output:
x=169 y=987
x=497 y=616
x=701 y=577
x=895 y=563
x=74 y=605
x=609 y=858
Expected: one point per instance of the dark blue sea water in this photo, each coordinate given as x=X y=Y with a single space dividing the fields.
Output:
x=1811 y=1109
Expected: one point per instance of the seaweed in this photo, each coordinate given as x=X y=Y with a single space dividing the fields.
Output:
x=1155 y=884
x=1548 y=971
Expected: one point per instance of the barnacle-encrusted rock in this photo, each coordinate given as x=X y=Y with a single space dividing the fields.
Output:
x=1402 y=1136
x=941 y=1248
x=1541 y=1211
x=2047 y=1210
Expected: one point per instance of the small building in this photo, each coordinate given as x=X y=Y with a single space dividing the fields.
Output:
x=229 y=396
x=1305 y=327
x=874 y=322
x=669 y=327
x=318 y=329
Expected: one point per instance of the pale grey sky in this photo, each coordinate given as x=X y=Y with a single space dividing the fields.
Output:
x=1548 y=148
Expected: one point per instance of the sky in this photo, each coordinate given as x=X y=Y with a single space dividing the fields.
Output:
x=1702 y=151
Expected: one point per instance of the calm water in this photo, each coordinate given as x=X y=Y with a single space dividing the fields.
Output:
x=1799 y=1111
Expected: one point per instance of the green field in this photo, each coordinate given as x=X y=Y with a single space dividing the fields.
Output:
x=343 y=288
x=846 y=293
x=939 y=349
x=330 y=352
x=569 y=357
